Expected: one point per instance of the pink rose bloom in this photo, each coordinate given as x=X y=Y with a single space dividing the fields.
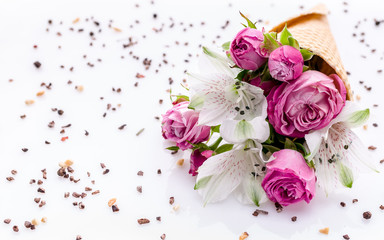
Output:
x=245 y=49
x=180 y=126
x=197 y=159
x=289 y=179
x=266 y=85
x=285 y=63
x=307 y=103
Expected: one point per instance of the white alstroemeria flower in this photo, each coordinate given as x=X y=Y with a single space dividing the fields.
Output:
x=239 y=170
x=337 y=152
x=219 y=96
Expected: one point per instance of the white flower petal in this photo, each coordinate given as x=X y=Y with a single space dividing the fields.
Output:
x=250 y=190
x=213 y=62
x=352 y=114
x=221 y=174
x=234 y=131
x=340 y=157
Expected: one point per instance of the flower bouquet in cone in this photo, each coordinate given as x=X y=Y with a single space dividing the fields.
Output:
x=271 y=116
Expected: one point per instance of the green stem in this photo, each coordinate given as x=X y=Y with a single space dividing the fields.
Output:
x=216 y=144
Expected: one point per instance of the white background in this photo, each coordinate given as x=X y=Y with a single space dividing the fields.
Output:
x=23 y=24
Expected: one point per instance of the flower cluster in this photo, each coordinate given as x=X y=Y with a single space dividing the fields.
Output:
x=265 y=123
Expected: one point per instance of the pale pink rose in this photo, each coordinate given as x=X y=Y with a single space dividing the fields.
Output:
x=179 y=125
x=285 y=63
x=307 y=103
x=289 y=179
x=246 y=51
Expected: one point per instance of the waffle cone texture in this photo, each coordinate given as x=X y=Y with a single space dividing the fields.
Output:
x=312 y=31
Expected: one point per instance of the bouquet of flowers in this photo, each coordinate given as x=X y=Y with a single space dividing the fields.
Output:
x=271 y=116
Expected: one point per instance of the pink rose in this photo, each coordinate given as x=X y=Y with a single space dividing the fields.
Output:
x=197 y=159
x=266 y=85
x=180 y=126
x=245 y=49
x=289 y=179
x=285 y=63
x=307 y=103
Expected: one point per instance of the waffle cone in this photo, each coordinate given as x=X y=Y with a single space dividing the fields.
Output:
x=312 y=31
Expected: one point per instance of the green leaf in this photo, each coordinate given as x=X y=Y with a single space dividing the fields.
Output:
x=284 y=35
x=270 y=43
x=266 y=76
x=202 y=182
x=358 y=118
x=250 y=24
x=346 y=175
x=215 y=144
x=305 y=68
x=307 y=55
x=173 y=148
x=226 y=45
x=271 y=148
x=289 y=144
x=216 y=129
x=178 y=97
x=273 y=34
x=241 y=75
x=293 y=43
x=301 y=148
x=224 y=148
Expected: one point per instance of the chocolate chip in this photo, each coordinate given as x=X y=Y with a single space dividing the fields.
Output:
x=60 y=112
x=7 y=221
x=41 y=190
x=115 y=208
x=139 y=189
x=140 y=173
x=171 y=200
x=158 y=219
x=37 y=200
x=102 y=165
x=355 y=200
x=367 y=215
x=342 y=204
x=27 y=224
x=143 y=221
x=15 y=228
x=372 y=148
x=159 y=171
x=78 y=237
x=346 y=237
x=37 y=64
x=294 y=219
x=122 y=126
x=382 y=207
x=162 y=237
x=106 y=171
x=24 y=149
x=10 y=179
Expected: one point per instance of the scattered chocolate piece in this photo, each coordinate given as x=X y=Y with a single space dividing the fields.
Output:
x=294 y=219
x=60 y=112
x=122 y=126
x=37 y=200
x=66 y=195
x=15 y=228
x=140 y=173
x=143 y=221
x=382 y=161
x=158 y=219
x=96 y=192
x=81 y=205
x=78 y=237
x=10 y=179
x=279 y=208
x=139 y=189
x=106 y=171
x=342 y=204
x=159 y=171
x=346 y=237
x=372 y=148
x=102 y=165
x=171 y=200
x=115 y=208
x=37 y=64
x=367 y=215
x=382 y=207
x=13 y=172
x=42 y=203
x=7 y=221
x=41 y=190
x=24 y=149
x=27 y=224
x=162 y=237
x=258 y=211
x=355 y=200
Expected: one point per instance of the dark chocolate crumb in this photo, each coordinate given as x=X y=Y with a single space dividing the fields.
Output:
x=102 y=165
x=15 y=228
x=171 y=200
x=106 y=171
x=37 y=64
x=24 y=149
x=143 y=221
x=139 y=189
x=258 y=211
x=41 y=190
x=7 y=221
x=294 y=219
x=367 y=215
x=346 y=237
x=115 y=208
x=382 y=207
x=159 y=171
x=355 y=200
x=342 y=204
x=162 y=237
x=158 y=219
x=140 y=173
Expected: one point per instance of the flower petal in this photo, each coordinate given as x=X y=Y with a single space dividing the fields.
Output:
x=212 y=61
x=221 y=174
x=250 y=190
x=234 y=131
